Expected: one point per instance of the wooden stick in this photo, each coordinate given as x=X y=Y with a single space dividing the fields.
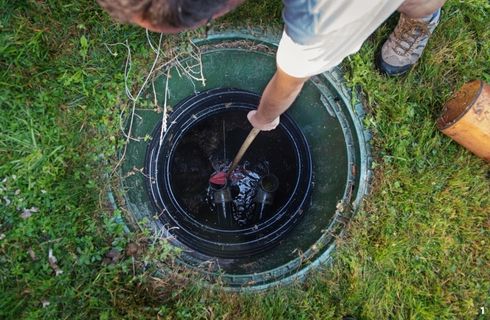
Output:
x=248 y=141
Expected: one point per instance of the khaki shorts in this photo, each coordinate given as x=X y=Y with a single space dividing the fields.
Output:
x=344 y=36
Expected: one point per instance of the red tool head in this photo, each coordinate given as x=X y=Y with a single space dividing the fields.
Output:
x=219 y=178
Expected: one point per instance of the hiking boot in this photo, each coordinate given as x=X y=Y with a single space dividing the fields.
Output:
x=406 y=43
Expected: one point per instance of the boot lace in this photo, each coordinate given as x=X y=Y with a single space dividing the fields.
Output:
x=408 y=33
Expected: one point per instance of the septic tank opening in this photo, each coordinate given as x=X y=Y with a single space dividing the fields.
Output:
x=331 y=141
x=208 y=147
x=264 y=197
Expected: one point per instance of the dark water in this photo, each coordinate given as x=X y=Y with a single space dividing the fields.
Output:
x=209 y=147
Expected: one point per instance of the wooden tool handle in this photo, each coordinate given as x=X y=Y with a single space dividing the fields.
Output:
x=248 y=141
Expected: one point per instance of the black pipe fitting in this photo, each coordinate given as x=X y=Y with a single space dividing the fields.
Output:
x=223 y=204
x=264 y=197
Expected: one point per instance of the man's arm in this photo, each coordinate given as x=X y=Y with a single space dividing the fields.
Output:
x=278 y=96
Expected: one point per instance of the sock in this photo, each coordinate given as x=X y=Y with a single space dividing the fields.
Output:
x=431 y=16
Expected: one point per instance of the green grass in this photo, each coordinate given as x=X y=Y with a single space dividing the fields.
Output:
x=417 y=250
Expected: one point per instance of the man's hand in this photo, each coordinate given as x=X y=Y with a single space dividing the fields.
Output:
x=278 y=96
x=262 y=124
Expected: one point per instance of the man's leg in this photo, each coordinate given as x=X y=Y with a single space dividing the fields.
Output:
x=405 y=45
x=420 y=8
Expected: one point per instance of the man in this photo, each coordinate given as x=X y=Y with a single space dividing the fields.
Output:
x=318 y=35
